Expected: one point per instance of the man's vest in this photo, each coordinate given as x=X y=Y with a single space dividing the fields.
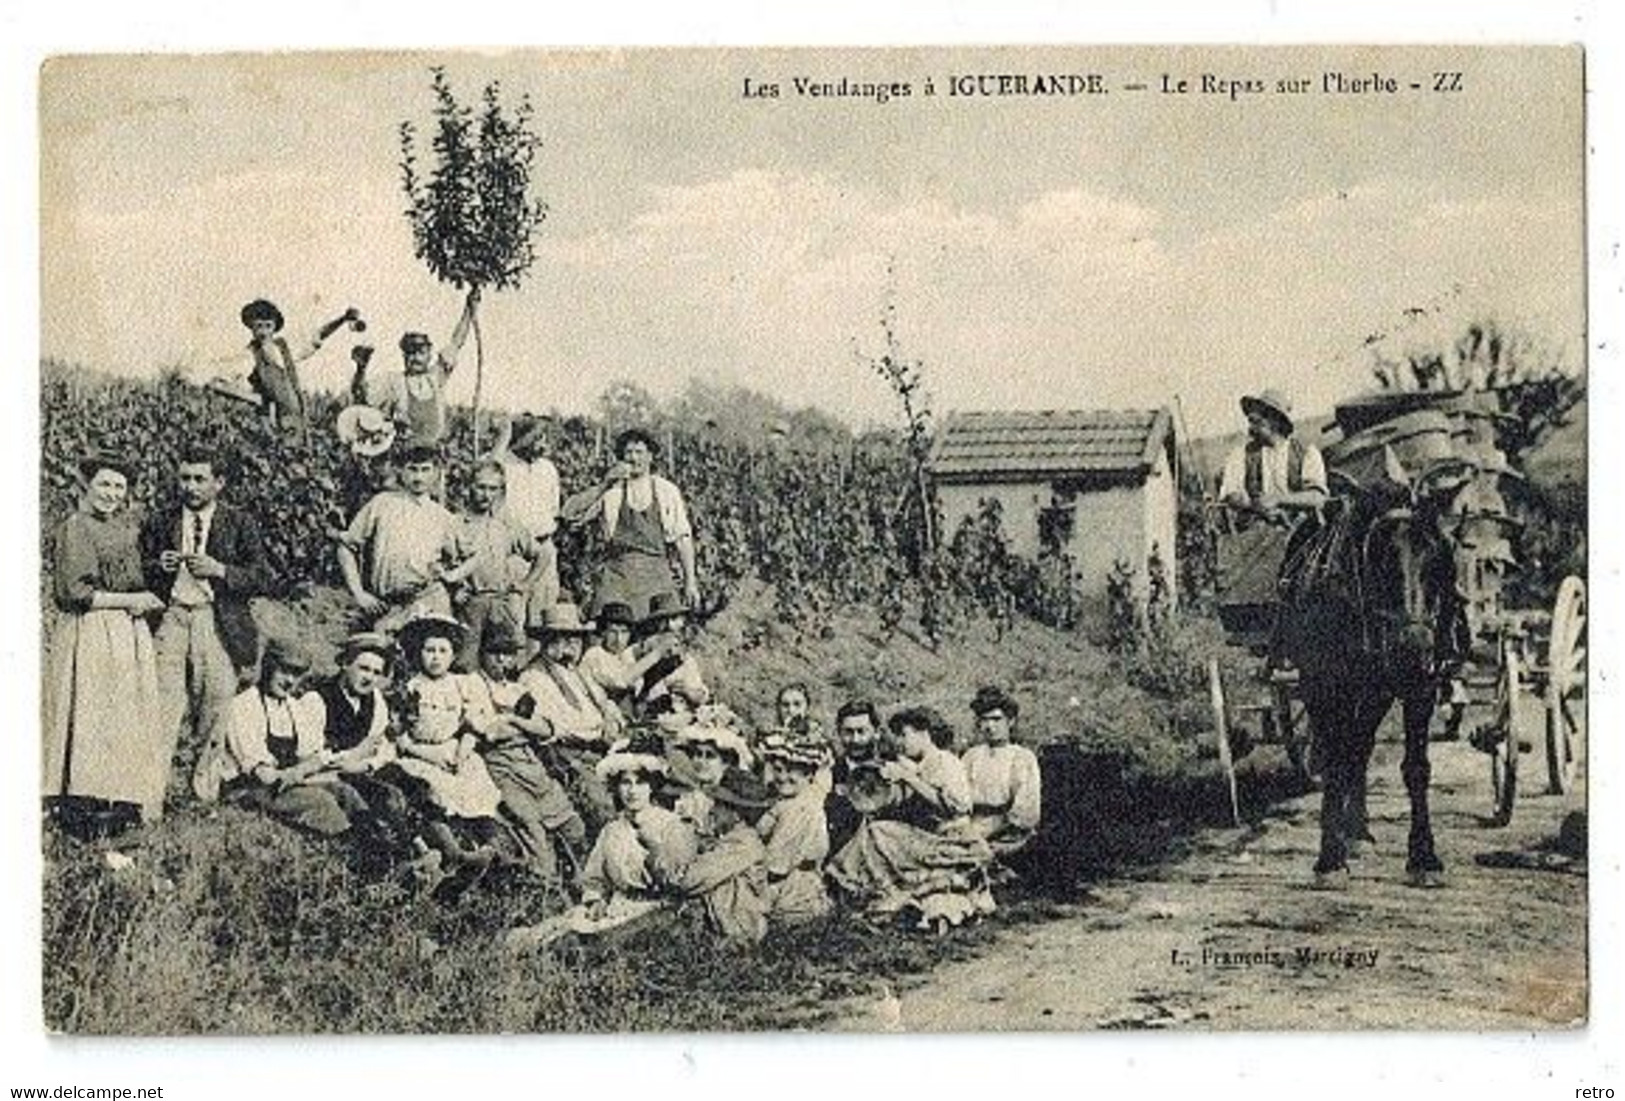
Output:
x=1254 y=479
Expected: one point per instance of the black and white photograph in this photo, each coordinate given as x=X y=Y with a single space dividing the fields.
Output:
x=914 y=539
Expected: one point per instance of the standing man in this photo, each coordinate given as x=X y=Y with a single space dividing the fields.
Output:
x=644 y=524
x=398 y=550
x=416 y=398
x=274 y=375
x=534 y=501
x=205 y=560
x=493 y=550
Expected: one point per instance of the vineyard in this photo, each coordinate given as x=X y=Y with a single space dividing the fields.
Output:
x=820 y=573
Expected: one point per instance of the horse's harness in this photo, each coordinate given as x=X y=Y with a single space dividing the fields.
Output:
x=1339 y=556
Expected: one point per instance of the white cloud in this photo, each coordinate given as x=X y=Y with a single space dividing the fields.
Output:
x=770 y=278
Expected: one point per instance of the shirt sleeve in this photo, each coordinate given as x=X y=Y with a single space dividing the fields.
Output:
x=594 y=878
x=1233 y=478
x=245 y=732
x=306 y=348
x=362 y=527
x=76 y=574
x=309 y=724
x=673 y=512
x=1026 y=800
x=800 y=834
x=947 y=775
x=1314 y=468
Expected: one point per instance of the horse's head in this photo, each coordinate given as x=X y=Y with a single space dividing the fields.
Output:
x=1409 y=579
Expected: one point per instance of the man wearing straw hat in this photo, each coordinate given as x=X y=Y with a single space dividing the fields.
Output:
x=1270 y=482
x=1273 y=475
x=581 y=717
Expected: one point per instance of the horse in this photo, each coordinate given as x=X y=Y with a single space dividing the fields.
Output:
x=1372 y=614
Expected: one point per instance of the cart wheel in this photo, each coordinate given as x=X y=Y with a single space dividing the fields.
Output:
x=1566 y=685
x=1221 y=725
x=1509 y=713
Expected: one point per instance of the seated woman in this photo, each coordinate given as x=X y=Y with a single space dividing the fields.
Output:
x=277 y=760
x=918 y=856
x=793 y=709
x=438 y=741
x=637 y=863
x=700 y=755
x=1004 y=780
x=795 y=830
x=535 y=803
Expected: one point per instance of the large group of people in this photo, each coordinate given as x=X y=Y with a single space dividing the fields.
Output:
x=478 y=716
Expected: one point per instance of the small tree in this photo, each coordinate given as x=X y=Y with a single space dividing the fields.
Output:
x=906 y=379
x=474 y=219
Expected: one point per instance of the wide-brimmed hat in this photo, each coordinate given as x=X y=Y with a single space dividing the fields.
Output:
x=743 y=792
x=628 y=435
x=366 y=430
x=990 y=698
x=808 y=753
x=431 y=625
x=642 y=752
x=261 y=310
x=501 y=636
x=1271 y=403
x=616 y=613
x=286 y=654
x=563 y=618
x=664 y=606
x=725 y=739
x=368 y=642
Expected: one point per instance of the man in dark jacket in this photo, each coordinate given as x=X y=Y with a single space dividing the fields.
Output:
x=205 y=560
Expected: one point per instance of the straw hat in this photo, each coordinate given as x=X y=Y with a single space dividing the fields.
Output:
x=366 y=430
x=368 y=642
x=726 y=740
x=1271 y=403
x=805 y=753
x=563 y=618
x=640 y=753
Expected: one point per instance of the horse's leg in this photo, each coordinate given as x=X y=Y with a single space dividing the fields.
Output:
x=1422 y=863
x=1363 y=739
x=1333 y=716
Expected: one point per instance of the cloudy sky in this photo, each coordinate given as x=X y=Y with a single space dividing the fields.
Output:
x=1114 y=250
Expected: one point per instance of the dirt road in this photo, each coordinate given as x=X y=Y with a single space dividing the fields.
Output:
x=1231 y=935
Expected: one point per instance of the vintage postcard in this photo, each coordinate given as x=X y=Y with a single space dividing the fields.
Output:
x=712 y=540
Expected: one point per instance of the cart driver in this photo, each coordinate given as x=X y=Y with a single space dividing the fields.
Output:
x=1273 y=475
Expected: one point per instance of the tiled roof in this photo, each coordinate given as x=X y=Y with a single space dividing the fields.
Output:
x=1053 y=443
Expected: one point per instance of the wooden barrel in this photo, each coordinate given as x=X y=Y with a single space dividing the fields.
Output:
x=1423 y=441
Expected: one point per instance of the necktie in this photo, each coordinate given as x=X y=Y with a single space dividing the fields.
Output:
x=197 y=533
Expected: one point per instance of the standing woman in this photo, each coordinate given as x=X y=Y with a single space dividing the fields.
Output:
x=106 y=752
